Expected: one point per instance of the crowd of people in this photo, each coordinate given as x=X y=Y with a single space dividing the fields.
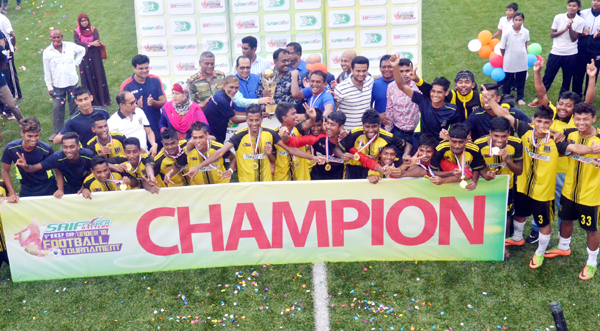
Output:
x=362 y=125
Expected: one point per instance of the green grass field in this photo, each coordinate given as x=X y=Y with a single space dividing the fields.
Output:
x=413 y=295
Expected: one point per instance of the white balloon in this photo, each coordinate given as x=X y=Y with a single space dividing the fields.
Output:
x=497 y=49
x=474 y=45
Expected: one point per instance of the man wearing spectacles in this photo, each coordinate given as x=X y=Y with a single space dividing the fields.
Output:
x=296 y=63
x=248 y=86
x=132 y=122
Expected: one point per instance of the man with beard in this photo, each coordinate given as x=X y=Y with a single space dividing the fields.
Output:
x=353 y=95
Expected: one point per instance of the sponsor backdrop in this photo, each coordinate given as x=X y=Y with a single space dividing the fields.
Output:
x=253 y=223
x=173 y=33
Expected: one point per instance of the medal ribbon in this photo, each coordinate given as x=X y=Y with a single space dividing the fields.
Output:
x=207 y=155
x=461 y=166
x=491 y=145
x=113 y=180
x=428 y=168
x=544 y=140
x=360 y=145
x=139 y=162
x=314 y=100
x=175 y=156
x=255 y=149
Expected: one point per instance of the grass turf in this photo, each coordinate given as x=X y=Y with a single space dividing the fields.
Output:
x=506 y=294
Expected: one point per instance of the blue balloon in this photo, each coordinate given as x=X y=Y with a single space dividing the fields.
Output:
x=487 y=69
x=531 y=59
x=498 y=74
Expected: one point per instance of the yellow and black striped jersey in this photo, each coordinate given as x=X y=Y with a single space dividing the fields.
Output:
x=538 y=180
x=117 y=148
x=208 y=174
x=247 y=155
x=473 y=158
x=135 y=172
x=163 y=163
x=289 y=167
x=514 y=148
x=358 y=139
x=560 y=126
x=94 y=185
x=582 y=180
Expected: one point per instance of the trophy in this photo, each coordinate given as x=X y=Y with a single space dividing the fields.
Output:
x=269 y=83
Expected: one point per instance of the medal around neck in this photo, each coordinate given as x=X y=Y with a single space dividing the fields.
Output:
x=327 y=167
x=255 y=165
x=356 y=157
x=495 y=150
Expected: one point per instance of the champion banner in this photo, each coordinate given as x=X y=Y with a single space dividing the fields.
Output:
x=253 y=223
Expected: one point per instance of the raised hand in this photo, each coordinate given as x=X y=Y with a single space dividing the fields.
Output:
x=395 y=60
x=413 y=74
x=21 y=162
x=311 y=112
x=538 y=65
x=591 y=69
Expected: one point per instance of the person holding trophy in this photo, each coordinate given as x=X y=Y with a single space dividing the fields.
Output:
x=278 y=83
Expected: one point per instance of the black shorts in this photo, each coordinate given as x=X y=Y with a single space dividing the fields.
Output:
x=356 y=172
x=587 y=216
x=510 y=205
x=542 y=211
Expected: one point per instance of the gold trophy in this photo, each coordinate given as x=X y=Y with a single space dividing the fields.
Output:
x=269 y=83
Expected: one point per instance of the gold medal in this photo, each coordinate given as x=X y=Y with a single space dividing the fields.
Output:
x=255 y=165
x=327 y=167
x=122 y=187
x=463 y=184
x=426 y=177
x=296 y=165
x=545 y=131
x=109 y=145
x=313 y=163
x=356 y=157
x=495 y=150
x=219 y=172
x=463 y=178
x=128 y=166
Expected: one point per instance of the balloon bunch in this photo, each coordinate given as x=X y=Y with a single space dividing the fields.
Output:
x=489 y=48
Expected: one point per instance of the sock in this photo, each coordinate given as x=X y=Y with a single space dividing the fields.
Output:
x=564 y=243
x=543 y=243
x=518 y=230
x=593 y=257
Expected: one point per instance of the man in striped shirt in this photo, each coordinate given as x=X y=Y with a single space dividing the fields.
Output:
x=353 y=95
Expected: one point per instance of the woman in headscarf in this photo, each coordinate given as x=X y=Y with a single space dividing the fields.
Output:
x=181 y=112
x=91 y=68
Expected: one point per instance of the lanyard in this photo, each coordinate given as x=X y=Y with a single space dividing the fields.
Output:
x=255 y=149
x=428 y=168
x=314 y=100
x=136 y=168
x=461 y=166
x=207 y=155
x=109 y=145
x=360 y=145
x=175 y=156
x=544 y=140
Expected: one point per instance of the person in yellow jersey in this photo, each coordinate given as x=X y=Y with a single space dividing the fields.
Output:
x=137 y=164
x=287 y=166
x=535 y=186
x=109 y=144
x=368 y=139
x=203 y=148
x=580 y=194
x=457 y=160
x=172 y=154
x=103 y=180
x=503 y=155
x=252 y=146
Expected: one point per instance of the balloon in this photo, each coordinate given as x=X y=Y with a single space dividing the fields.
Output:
x=539 y=57
x=498 y=74
x=497 y=49
x=485 y=51
x=531 y=59
x=474 y=45
x=485 y=37
x=494 y=42
x=535 y=49
x=487 y=69
x=492 y=54
x=496 y=61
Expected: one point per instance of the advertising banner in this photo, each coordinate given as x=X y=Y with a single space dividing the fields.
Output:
x=253 y=223
x=173 y=33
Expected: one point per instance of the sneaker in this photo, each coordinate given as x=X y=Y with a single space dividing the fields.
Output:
x=588 y=272
x=536 y=261
x=554 y=252
x=51 y=139
x=17 y=7
x=11 y=117
x=511 y=242
x=533 y=237
x=534 y=103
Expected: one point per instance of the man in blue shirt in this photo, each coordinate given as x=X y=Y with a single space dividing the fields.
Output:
x=247 y=93
x=148 y=91
x=295 y=52
x=379 y=96
x=80 y=121
x=315 y=95
x=34 y=151
x=71 y=165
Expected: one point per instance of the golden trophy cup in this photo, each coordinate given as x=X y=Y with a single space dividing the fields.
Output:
x=269 y=83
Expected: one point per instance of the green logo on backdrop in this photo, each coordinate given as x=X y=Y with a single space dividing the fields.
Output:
x=150 y=6
x=341 y=18
x=406 y=55
x=308 y=20
x=276 y=3
x=373 y=38
x=215 y=45
x=183 y=26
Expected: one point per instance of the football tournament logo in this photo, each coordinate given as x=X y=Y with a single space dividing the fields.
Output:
x=341 y=19
x=150 y=6
x=214 y=45
x=308 y=20
x=373 y=38
x=182 y=26
x=275 y=3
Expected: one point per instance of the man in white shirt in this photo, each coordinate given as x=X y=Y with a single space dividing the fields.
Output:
x=588 y=45
x=566 y=29
x=131 y=121
x=353 y=95
x=61 y=60
x=257 y=63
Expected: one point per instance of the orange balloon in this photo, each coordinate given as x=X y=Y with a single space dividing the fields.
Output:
x=494 y=42
x=485 y=37
x=485 y=52
x=492 y=54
